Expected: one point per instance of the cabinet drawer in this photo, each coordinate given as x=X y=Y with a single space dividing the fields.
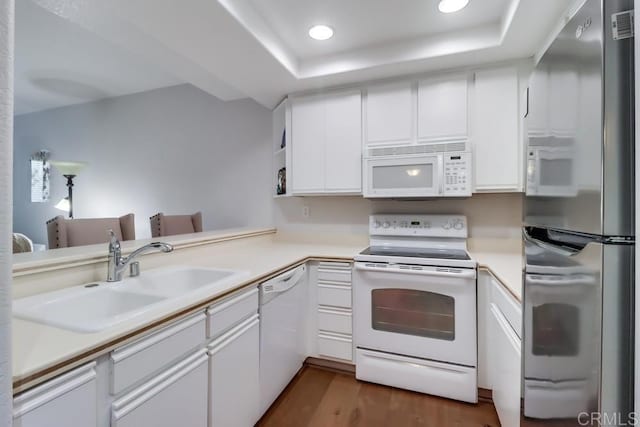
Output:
x=334 y=295
x=68 y=400
x=335 y=345
x=176 y=397
x=334 y=320
x=510 y=308
x=225 y=314
x=136 y=361
x=334 y=272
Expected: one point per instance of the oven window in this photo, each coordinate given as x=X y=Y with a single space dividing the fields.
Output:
x=554 y=172
x=555 y=330
x=405 y=176
x=413 y=312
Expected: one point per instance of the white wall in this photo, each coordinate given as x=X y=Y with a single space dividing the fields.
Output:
x=6 y=132
x=488 y=215
x=176 y=150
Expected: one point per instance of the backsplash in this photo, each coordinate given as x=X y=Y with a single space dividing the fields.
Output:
x=497 y=215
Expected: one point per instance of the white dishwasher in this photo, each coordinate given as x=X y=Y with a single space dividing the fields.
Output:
x=282 y=326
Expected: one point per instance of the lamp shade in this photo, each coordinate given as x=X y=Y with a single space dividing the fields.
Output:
x=64 y=205
x=69 y=168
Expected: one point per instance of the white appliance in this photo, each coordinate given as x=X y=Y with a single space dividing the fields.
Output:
x=418 y=170
x=415 y=306
x=282 y=331
x=563 y=342
x=551 y=167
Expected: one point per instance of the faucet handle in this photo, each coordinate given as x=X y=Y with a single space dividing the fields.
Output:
x=114 y=243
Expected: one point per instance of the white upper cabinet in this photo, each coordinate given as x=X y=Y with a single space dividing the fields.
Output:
x=497 y=145
x=442 y=109
x=308 y=136
x=327 y=144
x=390 y=114
x=343 y=150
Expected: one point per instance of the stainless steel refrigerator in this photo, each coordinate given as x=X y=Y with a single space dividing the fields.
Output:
x=577 y=347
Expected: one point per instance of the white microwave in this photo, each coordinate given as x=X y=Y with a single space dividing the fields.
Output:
x=551 y=172
x=397 y=172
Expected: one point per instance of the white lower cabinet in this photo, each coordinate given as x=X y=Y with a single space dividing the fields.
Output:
x=331 y=304
x=234 y=363
x=176 y=397
x=506 y=369
x=503 y=323
x=66 y=401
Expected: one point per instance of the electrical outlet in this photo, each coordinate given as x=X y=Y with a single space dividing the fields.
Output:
x=305 y=211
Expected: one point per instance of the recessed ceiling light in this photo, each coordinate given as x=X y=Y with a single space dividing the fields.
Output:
x=450 y=6
x=321 y=32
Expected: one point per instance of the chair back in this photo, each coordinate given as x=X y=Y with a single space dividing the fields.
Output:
x=170 y=225
x=65 y=233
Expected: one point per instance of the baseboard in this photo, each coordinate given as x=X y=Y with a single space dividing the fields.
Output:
x=485 y=395
x=330 y=365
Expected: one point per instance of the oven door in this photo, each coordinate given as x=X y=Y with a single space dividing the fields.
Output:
x=404 y=176
x=562 y=319
x=418 y=311
x=551 y=172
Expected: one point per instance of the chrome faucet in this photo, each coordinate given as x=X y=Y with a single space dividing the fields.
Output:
x=118 y=263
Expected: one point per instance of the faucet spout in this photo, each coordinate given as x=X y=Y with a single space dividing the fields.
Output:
x=117 y=263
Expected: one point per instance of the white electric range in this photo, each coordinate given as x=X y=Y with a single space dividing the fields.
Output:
x=415 y=306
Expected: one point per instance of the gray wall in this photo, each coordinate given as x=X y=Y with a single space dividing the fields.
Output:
x=175 y=150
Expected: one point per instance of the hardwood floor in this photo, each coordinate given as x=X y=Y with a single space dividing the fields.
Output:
x=322 y=398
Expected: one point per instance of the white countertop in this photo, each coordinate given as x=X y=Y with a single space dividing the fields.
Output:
x=40 y=352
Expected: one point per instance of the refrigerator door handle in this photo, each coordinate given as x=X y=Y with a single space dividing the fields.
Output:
x=560 y=250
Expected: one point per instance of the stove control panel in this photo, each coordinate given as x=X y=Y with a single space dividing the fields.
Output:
x=454 y=226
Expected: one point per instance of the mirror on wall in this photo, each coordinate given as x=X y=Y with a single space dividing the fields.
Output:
x=114 y=130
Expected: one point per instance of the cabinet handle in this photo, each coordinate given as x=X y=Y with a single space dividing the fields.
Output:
x=135 y=399
x=233 y=334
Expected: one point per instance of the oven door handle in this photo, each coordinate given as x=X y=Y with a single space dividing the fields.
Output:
x=562 y=282
x=463 y=274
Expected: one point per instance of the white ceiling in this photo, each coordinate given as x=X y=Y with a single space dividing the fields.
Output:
x=59 y=63
x=260 y=48
x=361 y=24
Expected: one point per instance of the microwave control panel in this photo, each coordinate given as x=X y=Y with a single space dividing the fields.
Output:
x=457 y=174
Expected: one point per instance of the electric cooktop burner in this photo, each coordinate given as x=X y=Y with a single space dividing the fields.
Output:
x=454 y=254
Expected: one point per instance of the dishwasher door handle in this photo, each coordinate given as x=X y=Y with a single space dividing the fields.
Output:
x=284 y=282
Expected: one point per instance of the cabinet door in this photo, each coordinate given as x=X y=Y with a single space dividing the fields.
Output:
x=442 y=109
x=537 y=121
x=564 y=101
x=505 y=357
x=390 y=114
x=497 y=146
x=176 y=397
x=234 y=363
x=343 y=143
x=308 y=136
x=66 y=401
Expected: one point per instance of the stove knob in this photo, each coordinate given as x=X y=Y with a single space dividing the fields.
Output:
x=386 y=224
x=458 y=225
x=376 y=224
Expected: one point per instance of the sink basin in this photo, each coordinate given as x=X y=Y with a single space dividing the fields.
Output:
x=95 y=307
x=85 y=309
x=177 y=281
